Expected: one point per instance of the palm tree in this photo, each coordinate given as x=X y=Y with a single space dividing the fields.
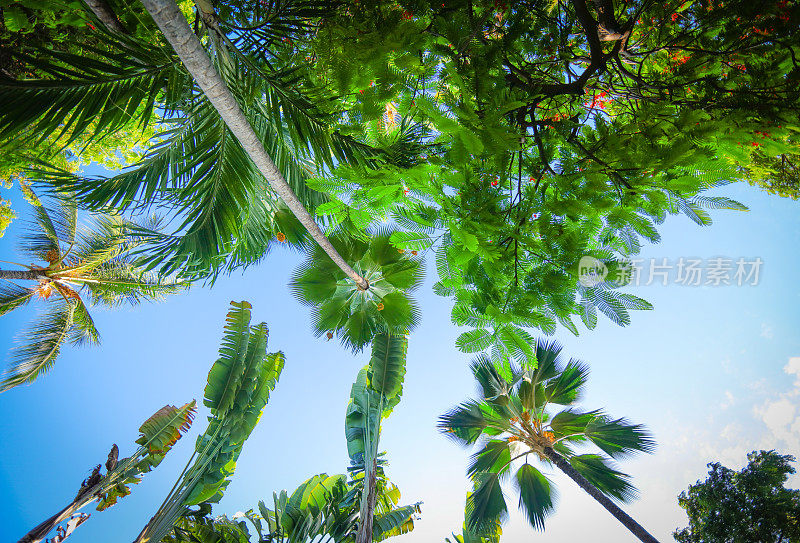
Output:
x=198 y=165
x=93 y=265
x=238 y=388
x=157 y=436
x=512 y=421
x=356 y=315
x=194 y=57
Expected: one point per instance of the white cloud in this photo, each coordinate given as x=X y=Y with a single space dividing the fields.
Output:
x=728 y=400
x=793 y=368
x=766 y=331
x=781 y=415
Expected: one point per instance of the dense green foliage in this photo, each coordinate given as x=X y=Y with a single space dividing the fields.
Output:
x=238 y=389
x=503 y=142
x=751 y=505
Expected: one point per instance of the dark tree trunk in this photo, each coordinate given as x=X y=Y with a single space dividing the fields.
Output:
x=635 y=528
x=103 y=11
x=24 y=275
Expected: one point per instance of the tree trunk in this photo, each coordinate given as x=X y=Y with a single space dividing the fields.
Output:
x=191 y=52
x=364 y=534
x=103 y=11
x=24 y=275
x=39 y=533
x=635 y=528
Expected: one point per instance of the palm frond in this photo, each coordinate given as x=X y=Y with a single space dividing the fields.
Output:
x=486 y=506
x=121 y=80
x=618 y=438
x=13 y=296
x=83 y=330
x=356 y=315
x=536 y=495
x=120 y=281
x=466 y=423
x=494 y=457
x=600 y=474
x=41 y=347
x=566 y=387
x=52 y=232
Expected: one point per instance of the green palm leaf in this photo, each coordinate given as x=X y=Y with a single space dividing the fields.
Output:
x=355 y=315
x=606 y=479
x=486 y=506
x=495 y=457
x=53 y=231
x=83 y=330
x=41 y=347
x=618 y=438
x=566 y=387
x=13 y=296
x=536 y=495
x=122 y=81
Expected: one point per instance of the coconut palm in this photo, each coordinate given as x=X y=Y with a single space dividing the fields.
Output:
x=177 y=32
x=229 y=179
x=343 y=308
x=514 y=421
x=83 y=267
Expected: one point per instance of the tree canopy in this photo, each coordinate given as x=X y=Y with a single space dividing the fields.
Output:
x=503 y=143
x=751 y=505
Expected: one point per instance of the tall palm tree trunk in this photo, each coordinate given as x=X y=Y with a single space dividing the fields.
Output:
x=191 y=52
x=103 y=11
x=635 y=528
x=25 y=275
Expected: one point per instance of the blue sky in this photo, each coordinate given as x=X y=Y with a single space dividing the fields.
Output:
x=714 y=372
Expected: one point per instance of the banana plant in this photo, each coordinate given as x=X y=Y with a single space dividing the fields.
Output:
x=157 y=436
x=361 y=507
x=341 y=307
x=322 y=508
x=89 y=267
x=375 y=393
x=238 y=388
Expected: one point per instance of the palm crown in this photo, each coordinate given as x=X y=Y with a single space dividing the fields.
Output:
x=513 y=420
x=94 y=264
x=357 y=315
